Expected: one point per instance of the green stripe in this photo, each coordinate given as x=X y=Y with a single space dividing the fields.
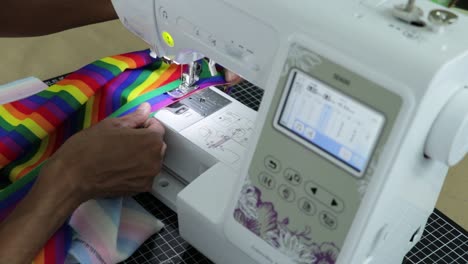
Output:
x=30 y=153
x=110 y=67
x=5 y=193
x=5 y=125
x=143 y=98
x=70 y=100
x=141 y=78
x=27 y=134
x=47 y=94
x=205 y=72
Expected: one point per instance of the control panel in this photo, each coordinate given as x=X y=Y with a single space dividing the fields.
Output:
x=319 y=149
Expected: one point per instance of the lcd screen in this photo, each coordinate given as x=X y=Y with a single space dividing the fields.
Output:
x=331 y=121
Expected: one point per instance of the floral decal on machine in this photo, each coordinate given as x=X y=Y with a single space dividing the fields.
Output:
x=262 y=219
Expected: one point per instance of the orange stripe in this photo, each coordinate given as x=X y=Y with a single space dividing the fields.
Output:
x=130 y=62
x=97 y=102
x=37 y=118
x=3 y=161
x=78 y=84
x=15 y=113
x=168 y=73
x=42 y=122
x=39 y=259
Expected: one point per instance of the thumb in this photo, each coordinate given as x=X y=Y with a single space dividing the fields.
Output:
x=136 y=119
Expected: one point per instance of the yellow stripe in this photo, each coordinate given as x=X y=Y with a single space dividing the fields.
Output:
x=72 y=90
x=154 y=76
x=37 y=156
x=28 y=123
x=122 y=65
x=88 y=112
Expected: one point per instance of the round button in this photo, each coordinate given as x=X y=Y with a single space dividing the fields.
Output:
x=286 y=193
x=292 y=176
x=272 y=164
x=306 y=206
x=267 y=180
x=328 y=220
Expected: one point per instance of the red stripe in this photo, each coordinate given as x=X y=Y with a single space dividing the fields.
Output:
x=49 y=116
x=102 y=106
x=140 y=61
x=57 y=137
x=174 y=76
x=49 y=251
x=21 y=107
x=90 y=82
x=6 y=151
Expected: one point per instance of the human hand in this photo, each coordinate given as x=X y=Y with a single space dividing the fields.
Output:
x=117 y=157
x=232 y=78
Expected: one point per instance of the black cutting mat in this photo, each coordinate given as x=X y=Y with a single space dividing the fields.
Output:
x=442 y=242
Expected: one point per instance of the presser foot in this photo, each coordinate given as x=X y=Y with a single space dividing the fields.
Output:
x=188 y=82
x=182 y=91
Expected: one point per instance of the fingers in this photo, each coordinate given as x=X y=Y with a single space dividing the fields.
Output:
x=154 y=125
x=163 y=149
x=136 y=119
x=231 y=77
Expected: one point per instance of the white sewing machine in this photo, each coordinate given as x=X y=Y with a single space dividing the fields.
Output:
x=365 y=109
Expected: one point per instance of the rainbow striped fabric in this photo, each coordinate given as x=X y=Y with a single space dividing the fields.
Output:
x=32 y=129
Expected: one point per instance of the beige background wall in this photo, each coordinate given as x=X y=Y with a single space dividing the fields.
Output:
x=50 y=56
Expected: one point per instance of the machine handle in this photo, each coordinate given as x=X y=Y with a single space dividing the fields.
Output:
x=448 y=138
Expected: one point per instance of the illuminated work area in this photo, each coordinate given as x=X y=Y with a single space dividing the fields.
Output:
x=348 y=127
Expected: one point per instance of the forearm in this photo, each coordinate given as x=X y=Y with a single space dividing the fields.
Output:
x=38 y=216
x=40 y=17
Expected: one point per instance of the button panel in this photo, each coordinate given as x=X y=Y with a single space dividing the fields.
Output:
x=236 y=50
x=290 y=186
x=324 y=196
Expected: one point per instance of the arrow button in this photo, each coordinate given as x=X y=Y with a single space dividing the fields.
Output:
x=314 y=190
x=337 y=205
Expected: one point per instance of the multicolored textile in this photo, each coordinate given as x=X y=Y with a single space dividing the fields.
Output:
x=32 y=129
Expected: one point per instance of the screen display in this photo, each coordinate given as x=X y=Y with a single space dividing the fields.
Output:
x=330 y=121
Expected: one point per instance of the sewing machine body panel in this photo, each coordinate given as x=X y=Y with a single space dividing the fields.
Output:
x=215 y=129
x=250 y=48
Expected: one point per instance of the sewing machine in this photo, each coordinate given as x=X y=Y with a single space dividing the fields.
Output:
x=364 y=112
